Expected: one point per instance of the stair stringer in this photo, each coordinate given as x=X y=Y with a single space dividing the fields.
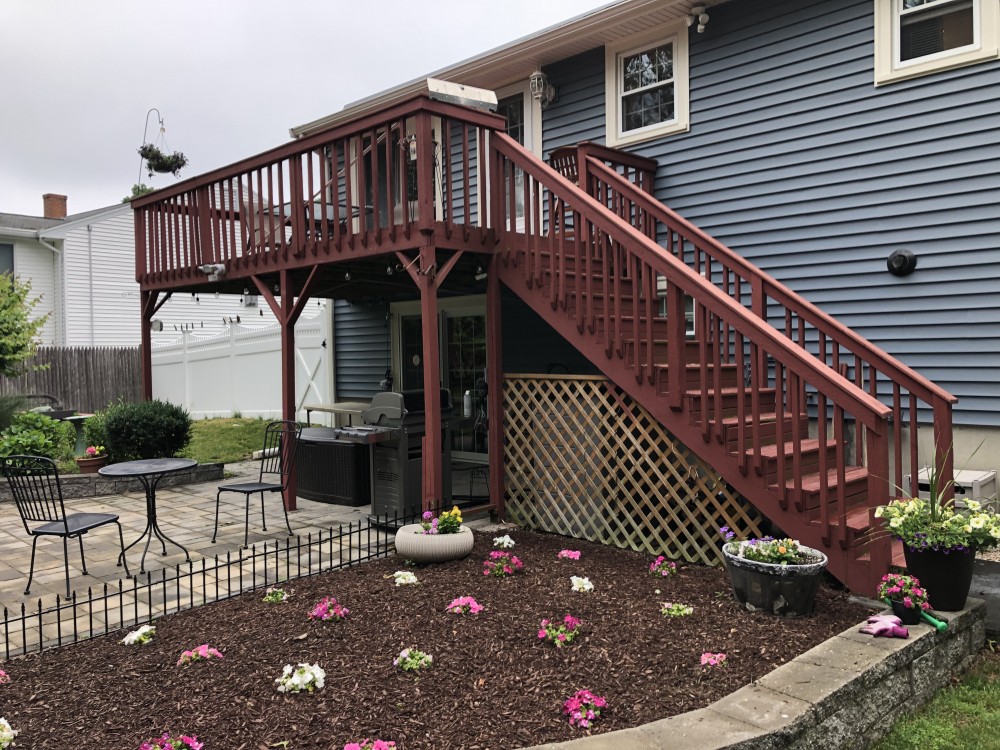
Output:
x=842 y=563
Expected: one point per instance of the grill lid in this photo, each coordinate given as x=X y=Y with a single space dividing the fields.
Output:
x=391 y=407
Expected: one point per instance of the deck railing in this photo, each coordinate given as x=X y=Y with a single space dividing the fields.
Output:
x=611 y=273
x=357 y=189
x=909 y=395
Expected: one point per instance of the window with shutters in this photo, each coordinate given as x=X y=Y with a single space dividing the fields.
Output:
x=917 y=37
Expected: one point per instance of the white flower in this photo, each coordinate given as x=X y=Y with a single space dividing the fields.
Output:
x=977 y=522
x=973 y=505
x=7 y=733
x=140 y=637
x=581 y=584
x=305 y=677
x=896 y=522
x=879 y=510
x=404 y=578
x=503 y=541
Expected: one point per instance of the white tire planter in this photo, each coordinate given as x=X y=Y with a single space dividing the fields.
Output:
x=412 y=544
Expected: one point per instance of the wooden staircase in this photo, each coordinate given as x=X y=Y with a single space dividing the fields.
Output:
x=810 y=422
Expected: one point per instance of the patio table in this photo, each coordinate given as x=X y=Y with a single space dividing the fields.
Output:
x=149 y=472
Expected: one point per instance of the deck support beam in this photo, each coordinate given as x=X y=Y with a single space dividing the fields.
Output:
x=433 y=485
x=150 y=304
x=494 y=386
x=287 y=311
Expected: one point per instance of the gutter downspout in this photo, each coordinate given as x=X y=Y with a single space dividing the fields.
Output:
x=57 y=259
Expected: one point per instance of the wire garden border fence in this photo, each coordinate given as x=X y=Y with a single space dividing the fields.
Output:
x=167 y=591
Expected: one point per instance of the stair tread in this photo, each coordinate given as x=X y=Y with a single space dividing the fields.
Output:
x=729 y=391
x=810 y=482
x=771 y=451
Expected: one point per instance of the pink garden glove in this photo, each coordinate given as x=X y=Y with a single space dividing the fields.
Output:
x=885 y=626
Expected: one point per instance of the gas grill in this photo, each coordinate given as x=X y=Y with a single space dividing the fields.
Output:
x=397 y=455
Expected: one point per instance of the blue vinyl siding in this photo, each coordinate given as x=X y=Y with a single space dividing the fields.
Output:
x=361 y=339
x=797 y=161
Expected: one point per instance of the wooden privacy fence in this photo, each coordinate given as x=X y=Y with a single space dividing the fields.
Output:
x=83 y=378
x=584 y=460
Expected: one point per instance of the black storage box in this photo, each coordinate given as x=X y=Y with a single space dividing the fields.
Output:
x=332 y=470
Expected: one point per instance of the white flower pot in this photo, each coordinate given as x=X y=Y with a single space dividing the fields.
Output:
x=412 y=544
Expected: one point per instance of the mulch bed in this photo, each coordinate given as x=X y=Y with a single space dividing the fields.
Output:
x=493 y=684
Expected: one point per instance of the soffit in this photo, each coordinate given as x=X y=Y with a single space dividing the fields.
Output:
x=515 y=61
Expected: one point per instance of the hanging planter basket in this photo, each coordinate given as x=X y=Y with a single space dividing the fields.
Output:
x=157 y=161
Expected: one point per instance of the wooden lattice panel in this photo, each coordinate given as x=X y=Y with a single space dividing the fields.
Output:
x=584 y=460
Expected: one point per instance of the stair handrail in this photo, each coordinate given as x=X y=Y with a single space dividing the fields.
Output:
x=873 y=413
x=822 y=321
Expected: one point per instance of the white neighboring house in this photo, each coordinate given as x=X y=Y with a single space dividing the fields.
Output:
x=83 y=268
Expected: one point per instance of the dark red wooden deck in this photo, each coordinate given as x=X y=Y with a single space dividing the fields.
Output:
x=812 y=423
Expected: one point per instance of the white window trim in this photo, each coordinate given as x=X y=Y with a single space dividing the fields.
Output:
x=672 y=32
x=888 y=68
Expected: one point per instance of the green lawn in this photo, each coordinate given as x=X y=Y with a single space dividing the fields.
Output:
x=964 y=716
x=225 y=440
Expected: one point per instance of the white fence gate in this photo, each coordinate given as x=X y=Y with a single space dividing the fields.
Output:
x=239 y=370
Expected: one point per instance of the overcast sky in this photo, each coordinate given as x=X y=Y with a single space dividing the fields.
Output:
x=229 y=77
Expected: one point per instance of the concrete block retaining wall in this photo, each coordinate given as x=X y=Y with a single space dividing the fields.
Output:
x=844 y=694
x=94 y=485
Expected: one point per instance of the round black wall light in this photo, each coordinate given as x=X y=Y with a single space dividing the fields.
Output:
x=901 y=263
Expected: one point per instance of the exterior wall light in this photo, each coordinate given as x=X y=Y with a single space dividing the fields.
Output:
x=698 y=14
x=541 y=89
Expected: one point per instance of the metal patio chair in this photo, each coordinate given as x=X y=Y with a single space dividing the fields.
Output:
x=277 y=459
x=34 y=483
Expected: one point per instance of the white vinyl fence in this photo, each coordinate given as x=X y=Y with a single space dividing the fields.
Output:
x=239 y=370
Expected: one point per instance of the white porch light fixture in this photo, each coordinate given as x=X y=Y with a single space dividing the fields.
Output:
x=541 y=89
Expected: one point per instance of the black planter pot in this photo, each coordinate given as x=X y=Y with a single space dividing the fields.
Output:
x=908 y=615
x=947 y=576
x=783 y=590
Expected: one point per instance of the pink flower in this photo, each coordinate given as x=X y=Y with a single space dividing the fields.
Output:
x=542 y=634
x=4 y=677
x=569 y=554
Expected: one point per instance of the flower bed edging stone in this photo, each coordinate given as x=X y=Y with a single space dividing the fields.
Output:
x=844 y=693
x=94 y=485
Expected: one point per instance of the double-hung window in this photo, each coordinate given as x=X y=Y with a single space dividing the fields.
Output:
x=646 y=85
x=917 y=37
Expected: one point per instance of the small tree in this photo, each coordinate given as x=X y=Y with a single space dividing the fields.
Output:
x=138 y=190
x=18 y=330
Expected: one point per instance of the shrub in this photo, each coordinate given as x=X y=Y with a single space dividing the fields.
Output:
x=149 y=429
x=95 y=429
x=10 y=405
x=34 y=434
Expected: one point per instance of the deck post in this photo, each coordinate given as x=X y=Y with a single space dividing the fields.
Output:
x=288 y=372
x=494 y=386
x=432 y=455
x=148 y=302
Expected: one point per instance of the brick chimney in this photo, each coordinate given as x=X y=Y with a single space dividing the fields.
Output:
x=54 y=206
